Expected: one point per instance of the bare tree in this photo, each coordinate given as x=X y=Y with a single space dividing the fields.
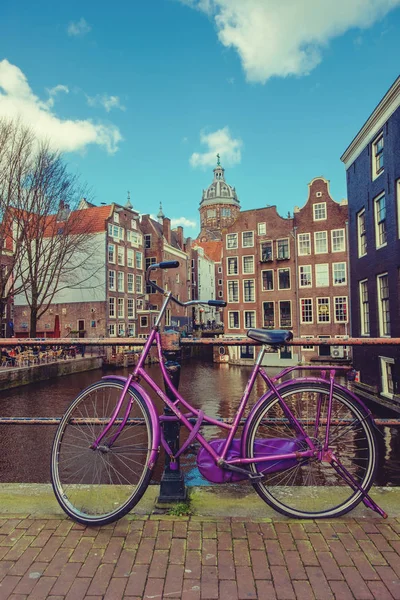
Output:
x=52 y=241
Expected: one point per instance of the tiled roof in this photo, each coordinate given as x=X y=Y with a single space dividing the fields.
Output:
x=89 y=220
x=212 y=249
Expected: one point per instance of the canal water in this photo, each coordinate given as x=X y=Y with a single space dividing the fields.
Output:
x=216 y=389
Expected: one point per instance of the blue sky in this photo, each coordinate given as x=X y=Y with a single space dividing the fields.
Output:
x=141 y=95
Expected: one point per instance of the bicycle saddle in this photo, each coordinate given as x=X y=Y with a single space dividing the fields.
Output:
x=272 y=337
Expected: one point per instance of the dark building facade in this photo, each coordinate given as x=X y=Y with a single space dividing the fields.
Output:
x=372 y=163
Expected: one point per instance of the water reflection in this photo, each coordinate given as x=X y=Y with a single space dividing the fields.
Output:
x=216 y=389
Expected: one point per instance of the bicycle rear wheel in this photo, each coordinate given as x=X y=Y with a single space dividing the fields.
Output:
x=96 y=487
x=312 y=488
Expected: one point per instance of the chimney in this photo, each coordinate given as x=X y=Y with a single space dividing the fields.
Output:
x=167 y=229
x=179 y=236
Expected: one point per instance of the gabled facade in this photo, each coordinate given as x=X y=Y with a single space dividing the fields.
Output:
x=372 y=163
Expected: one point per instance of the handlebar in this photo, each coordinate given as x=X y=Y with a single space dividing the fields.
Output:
x=174 y=264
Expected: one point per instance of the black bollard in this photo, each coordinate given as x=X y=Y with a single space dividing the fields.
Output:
x=172 y=488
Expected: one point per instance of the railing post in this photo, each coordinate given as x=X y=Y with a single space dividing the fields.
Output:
x=172 y=488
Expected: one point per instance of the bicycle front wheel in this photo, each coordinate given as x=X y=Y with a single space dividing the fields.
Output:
x=99 y=486
x=312 y=488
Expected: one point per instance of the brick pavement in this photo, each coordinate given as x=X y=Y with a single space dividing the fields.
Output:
x=196 y=558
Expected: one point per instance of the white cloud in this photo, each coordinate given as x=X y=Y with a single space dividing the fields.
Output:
x=218 y=142
x=18 y=101
x=53 y=93
x=107 y=102
x=78 y=28
x=183 y=222
x=286 y=37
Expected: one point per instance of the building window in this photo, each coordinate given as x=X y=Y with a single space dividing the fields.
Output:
x=121 y=329
x=211 y=213
x=144 y=322
x=232 y=265
x=150 y=261
x=139 y=260
x=319 y=211
x=377 y=156
x=304 y=240
x=121 y=255
x=232 y=241
x=283 y=279
x=147 y=240
x=266 y=251
x=338 y=240
x=246 y=351
x=282 y=248
x=111 y=307
x=116 y=217
x=387 y=368
x=111 y=253
x=305 y=276
x=120 y=281
x=340 y=309
x=322 y=275
x=130 y=283
x=121 y=308
x=111 y=329
x=267 y=280
x=268 y=315
x=285 y=313
x=129 y=258
x=383 y=304
x=248 y=264
x=247 y=239
x=306 y=312
x=168 y=317
x=361 y=233
x=339 y=273
x=139 y=287
x=262 y=228
x=364 y=307
x=233 y=291
x=219 y=281
x=380 y=221
x=219 y=269
x=249 y=319
x=323 y=312
x=131 y=308
x=321 y=242
x=131 y=330
x=233 y=317
x=307 y=347
x=111 y=280
x=249 y=290
x=225 y=212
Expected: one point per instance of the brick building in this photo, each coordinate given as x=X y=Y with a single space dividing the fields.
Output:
x=372 y=162
x=104 y=303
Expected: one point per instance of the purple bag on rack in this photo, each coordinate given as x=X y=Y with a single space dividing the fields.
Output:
x=215 y=474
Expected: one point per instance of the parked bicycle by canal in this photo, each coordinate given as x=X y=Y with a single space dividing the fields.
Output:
x=307 y=446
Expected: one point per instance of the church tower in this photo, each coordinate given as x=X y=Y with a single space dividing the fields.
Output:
x=219 y=207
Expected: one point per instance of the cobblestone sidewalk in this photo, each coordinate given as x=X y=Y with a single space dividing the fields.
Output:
x=199 y=558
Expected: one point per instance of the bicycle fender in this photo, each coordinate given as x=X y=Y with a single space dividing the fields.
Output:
x=286 y=384
x=140 y=391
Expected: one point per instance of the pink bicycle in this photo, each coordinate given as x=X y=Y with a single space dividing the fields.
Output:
x=307 y=445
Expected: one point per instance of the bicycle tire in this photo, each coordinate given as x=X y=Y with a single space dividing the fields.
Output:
x=312 y=488
x=94 y=487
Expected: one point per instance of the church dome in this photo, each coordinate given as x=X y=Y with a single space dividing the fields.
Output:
x=219 y=192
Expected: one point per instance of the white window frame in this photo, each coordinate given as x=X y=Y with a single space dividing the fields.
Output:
x=229 y=318
x=231 y=259
x=111 y=276
x=317 y=284
x=147 y=240
x=111 y=307
x=234 y=238
x=262 y=229
x=301 y=239
x=254 y=291
x=378 y=224
x=252 y=239
x=253 y=312
x=278 y=257
x=364 y=308
x=280 y=316
x=333 y=274
x=381 y=323
x=243 y=267
x=301 y=312
x=144 y=321
x=139 y=284
x=121 y=308
x=362 y=233
x=263 y=316
x=121 y=256
x=120 y=281
x=290 y=278
x=326 y=302
x=375 y=153
x=307 y=347
x=301 y=285
x=384 y=361
x=121 y=329
x=111 y=330
x=316 y=233
x=131 y=308
x=130 y=283
x=317 y=207
x=335 y=319
x=111 y=253
x=264 y=242
x=130 y=257
x=230 y=284
x=139 y=260
x=262 y=281
x=343 y=237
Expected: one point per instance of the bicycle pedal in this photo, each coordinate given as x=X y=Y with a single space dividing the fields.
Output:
x=256 y=476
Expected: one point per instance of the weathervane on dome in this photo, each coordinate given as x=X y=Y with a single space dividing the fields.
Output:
x=218 y=161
